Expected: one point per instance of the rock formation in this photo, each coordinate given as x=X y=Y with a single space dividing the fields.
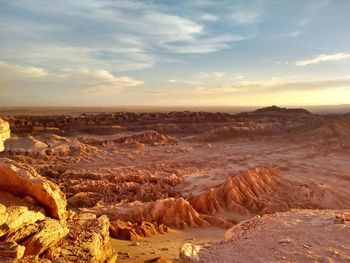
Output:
x=189 y=253
x=34 y=225
x=29 y=226
x=240 y=193
x=148 y=137
x=26 y=182
x=87 y=241
x=262 y=190
x=133 y=231
x=4 y=133
x=171 y=212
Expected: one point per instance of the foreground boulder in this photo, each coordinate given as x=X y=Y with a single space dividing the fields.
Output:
x=25 y=230
x=87 y=241
x=189 y=253
x=17 y=213
x=24 y=181
x=51 y=231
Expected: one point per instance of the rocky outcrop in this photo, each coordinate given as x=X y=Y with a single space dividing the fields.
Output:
x=238 y=130
x=11 y=250
x=189 y=253
x=4 y=133
x=27 y=182
x=43 y=145
x=25 y=230
x=240 y=193
x=17 y=213
x=171 y=212
x=50 y=232
x=87 y=241
x=26 y=234
x=34 y=226
x=148 y=137
x=133 y=231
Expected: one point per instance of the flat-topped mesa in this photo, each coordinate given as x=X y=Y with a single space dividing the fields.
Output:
x=4 y=133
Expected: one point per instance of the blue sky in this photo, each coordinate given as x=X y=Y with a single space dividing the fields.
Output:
x=186 y=53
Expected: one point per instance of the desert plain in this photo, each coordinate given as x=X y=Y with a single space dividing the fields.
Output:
x=265 y=185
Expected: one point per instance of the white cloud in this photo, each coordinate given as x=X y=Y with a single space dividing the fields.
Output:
x=21 y=71
x=303 y=22
x=238 y=76
x=168 y=27
x=203 y=44
x=294 y=33
x=209 y=17
x=12 y=75
x=114 y=35
x=246 y=17
x=276 y=84
x=215 y=74
x=185 y=81
x=101 y=80
x=315 y=5
x=323 y=58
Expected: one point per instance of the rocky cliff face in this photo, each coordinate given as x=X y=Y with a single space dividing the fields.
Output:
x=35 y=225
x=4 y=133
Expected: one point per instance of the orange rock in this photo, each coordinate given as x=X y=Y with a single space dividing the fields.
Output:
x=11 y=250
x=17 y=213
x=240 y=193
x=4 y=133
x=133 y=231
x=51 y=232
x=87 y=241
x=23 y=181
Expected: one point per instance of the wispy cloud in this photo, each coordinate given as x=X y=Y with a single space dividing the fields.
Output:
x=214 y=74
x=295 y=33
x=209 y=17
x=16 y=76
x=303 y=22
x=323 y=58
x=9 y=70
x=97 y=80
x=272 y=85
x=185 y=81
x=246 y=17
x=115 y=35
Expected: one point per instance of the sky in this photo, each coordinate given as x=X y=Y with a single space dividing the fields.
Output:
x=174 y=53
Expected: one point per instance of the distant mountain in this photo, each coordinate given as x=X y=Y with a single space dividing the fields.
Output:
x=275 y=109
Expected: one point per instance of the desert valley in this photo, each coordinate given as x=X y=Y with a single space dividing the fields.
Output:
x=268 y=185
x=189 y=131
